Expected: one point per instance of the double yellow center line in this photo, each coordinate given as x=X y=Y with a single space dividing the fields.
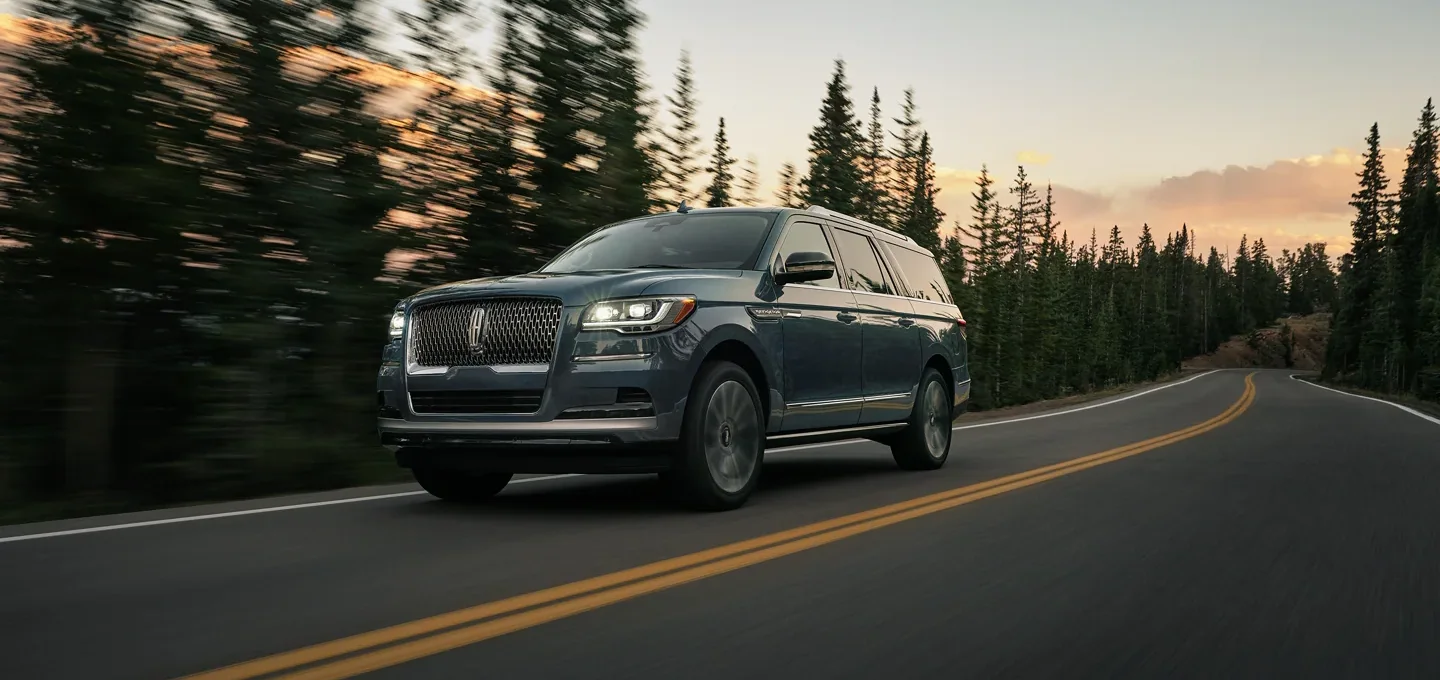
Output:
x=391 y=646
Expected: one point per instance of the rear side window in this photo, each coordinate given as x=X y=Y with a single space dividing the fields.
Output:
x=807 y=237
x=862 y=266
x=922 y=276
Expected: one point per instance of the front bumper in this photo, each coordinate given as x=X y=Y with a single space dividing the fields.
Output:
x=603 y=395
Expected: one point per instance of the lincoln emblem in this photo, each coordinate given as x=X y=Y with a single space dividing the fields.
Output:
x=477 y=328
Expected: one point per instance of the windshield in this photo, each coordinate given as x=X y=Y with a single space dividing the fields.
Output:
x=694 y=241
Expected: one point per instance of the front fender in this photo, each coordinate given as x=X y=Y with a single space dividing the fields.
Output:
x=732 y=326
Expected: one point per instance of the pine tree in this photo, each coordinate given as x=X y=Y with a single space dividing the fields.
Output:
x=903 y=165
x=984 y=197
x=749 y=182
x=683 y=151
x=1428 y=341
x=834 y=179
x=1407 y=244
x=922 y=216
x=1022 y=225
x=1361 y=278
x=787 y=195
x=721 y=177
x=874 y=203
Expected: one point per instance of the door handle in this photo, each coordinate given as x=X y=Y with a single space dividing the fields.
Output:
x=846 y=317
x=907 y=322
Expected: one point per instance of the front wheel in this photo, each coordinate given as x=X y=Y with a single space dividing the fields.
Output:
x=925 y=443
x=458 y=486
x=722 y=441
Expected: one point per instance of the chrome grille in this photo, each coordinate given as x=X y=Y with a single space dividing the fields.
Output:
x=513 y=331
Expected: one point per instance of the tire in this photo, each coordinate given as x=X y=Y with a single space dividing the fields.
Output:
x=722 y=441
x=925 y=443
x=457 y=486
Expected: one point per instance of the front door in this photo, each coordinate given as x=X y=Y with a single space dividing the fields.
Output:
x=890 y=359
x=823 y=381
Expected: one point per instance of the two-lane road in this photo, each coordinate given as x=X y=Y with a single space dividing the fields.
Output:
x=1221 y=526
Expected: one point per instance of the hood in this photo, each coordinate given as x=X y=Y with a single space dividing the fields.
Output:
x=573 y=288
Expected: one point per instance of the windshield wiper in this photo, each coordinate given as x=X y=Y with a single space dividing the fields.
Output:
x=660 y=266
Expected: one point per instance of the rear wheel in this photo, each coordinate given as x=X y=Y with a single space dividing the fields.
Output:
x=925 y=443
x=722 y=440
x=458 y=486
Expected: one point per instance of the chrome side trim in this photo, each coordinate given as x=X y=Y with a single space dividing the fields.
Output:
x=840 y=431
x=907 y=298
x=824 y=402
x=579 y=426
x=597 y=358
x=888 y=397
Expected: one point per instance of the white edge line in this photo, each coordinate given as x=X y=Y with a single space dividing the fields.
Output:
x=239 y=513
x=361 y=499
x=1402 y=407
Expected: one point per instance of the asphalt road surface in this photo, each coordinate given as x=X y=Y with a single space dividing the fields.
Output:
x=1227 y=526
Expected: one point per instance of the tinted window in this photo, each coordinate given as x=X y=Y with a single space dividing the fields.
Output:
x=807 y=237
x=697 y=241
x=862 y=267
x=922 y=276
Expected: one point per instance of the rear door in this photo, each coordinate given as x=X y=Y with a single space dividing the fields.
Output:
x=821 y=336
x=890 y=358
x=937 y=319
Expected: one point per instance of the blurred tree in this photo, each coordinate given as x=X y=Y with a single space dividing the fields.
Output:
x=787 y=194
x=629 y=177
x=749 y=182
x=683 y=152
x=718 y=194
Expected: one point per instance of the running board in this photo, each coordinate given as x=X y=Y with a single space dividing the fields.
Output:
x=822 y=436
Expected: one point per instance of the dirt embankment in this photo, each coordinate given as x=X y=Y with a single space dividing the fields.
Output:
x=1293 y=342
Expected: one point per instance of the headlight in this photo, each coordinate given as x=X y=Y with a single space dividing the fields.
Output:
x=397 y=324
x=637 y=315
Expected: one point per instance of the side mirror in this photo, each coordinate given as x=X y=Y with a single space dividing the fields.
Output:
x=803 y=266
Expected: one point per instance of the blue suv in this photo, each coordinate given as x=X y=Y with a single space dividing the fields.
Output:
x=685 y=344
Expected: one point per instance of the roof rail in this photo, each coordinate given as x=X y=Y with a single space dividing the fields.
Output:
x=822 y=210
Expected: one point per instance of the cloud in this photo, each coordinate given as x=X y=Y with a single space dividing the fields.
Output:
x=1033 y=158
x=1288 y=202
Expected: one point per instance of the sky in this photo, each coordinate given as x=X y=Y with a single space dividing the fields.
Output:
x=1235 y=117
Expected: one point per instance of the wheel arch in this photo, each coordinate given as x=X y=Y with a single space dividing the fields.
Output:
x=940 y=363
x=740 y=347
